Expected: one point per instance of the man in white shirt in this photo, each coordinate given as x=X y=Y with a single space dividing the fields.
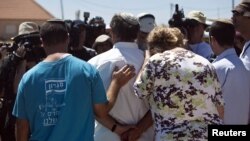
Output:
x=128 y=109
x=231 y=73
x=241 y=21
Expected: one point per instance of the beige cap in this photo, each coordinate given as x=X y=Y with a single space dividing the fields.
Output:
x=27 y=28
x=197 y=15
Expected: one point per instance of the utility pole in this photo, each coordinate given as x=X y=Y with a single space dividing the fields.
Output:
x=62 y=11
x=232 y=4
x=78 y=12
x=218 y=12
x=171 y=9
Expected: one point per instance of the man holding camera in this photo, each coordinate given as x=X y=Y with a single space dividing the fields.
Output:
x=77 y=32
x=195 y=26
x=12 y=67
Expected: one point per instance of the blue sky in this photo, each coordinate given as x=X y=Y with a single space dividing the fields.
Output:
x=160 y=8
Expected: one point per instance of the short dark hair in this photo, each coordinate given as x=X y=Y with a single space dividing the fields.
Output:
x=77 y=27
x=53 y=32
x=223 y=32
x=125 y=26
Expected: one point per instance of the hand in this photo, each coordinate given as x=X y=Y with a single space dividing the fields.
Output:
x=120 y=129
x=147 y=54
x=21 y=51
x=122 y=76
x=125 y=135
x=134 y=134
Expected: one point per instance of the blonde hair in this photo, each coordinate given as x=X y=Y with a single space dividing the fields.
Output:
x=163 y=38
x=180 y=37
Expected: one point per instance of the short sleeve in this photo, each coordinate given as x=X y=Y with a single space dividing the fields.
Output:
x=218 y=98
x=99 y=94
x=19 y=109
x=143 y=87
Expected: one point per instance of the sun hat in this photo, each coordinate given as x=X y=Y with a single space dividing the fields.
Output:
x=197 y=15
x=27 y=28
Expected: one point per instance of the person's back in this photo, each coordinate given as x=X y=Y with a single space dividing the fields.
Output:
x=56 y=99
x=235 y=87
x=127 y=109
x=181 y=87
x=60 y=110
x=184 y=96
x=231 y=73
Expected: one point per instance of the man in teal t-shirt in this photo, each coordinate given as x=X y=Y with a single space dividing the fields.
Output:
x=59 y=98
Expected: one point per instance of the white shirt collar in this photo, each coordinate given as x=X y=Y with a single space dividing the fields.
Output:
x=125 y=45
x=246 y=46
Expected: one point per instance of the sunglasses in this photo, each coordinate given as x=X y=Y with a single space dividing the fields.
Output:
x=235 y=14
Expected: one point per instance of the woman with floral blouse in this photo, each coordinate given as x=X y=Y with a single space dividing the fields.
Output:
x=181 y=87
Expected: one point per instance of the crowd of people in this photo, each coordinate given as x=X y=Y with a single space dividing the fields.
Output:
x=138 y=82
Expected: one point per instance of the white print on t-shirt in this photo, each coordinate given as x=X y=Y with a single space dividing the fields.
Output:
x=55 y=100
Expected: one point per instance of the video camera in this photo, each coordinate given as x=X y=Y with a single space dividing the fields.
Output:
x=32 y=43
x=95 y=27
x=178 y=20
x=29 y=41
x=4 y=45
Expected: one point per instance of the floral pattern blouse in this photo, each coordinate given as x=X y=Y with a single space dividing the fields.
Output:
x=183 y=91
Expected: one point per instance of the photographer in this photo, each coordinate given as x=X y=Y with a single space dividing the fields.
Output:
x=95 y=27
x=178 y=20
x=196 y=25
x=3 y=50
x=77 y=31
x=8 y=67
x=193 y=27
x=12 y=67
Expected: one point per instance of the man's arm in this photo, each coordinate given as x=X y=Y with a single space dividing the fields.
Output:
x=102 y=116
x=22 y=130
x=119 y=78
x=135 y=133
x=220 y=110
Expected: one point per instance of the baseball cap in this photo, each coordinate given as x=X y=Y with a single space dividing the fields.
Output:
x=146 y=21
x=197 y=15
x=243 y=8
